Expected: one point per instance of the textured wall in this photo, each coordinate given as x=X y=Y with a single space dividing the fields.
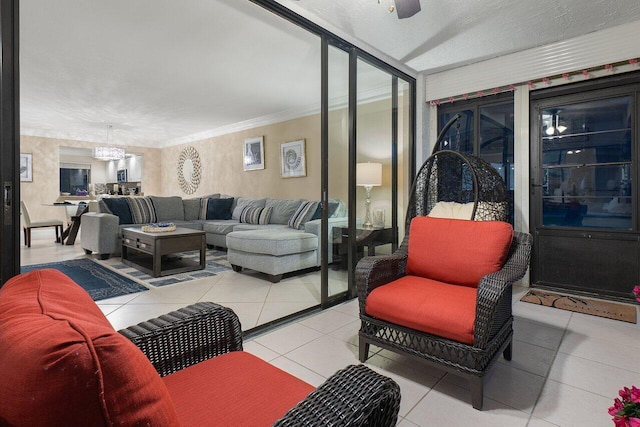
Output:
x=222 y=165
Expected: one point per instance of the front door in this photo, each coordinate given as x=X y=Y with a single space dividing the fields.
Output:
x=584 y=195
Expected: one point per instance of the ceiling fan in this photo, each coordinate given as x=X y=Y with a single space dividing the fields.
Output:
x=405 y=8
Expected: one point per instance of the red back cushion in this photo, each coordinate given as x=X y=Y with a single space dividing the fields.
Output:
x=457 y=251
x=62 y=362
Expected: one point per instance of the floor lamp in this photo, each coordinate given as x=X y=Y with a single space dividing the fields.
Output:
x=368 y=175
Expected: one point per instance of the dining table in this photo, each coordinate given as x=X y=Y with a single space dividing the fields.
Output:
x=70 y=232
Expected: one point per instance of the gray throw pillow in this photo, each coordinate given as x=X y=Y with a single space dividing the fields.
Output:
x=282 y=209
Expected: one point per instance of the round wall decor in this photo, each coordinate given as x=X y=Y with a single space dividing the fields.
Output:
x=189 y=170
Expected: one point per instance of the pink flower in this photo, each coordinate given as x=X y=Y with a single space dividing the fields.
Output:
x=636 y=292
x=620 y=422
x=626 y=409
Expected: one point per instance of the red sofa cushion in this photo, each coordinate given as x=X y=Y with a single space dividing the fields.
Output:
x=239 y=388
x=426 y=305
x=457 y=251
x=63 y=364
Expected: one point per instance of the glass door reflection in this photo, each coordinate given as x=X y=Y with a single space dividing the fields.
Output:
x=338 y=169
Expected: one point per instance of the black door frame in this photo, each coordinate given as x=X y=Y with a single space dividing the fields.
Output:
x=623 y=242
x=9 y=141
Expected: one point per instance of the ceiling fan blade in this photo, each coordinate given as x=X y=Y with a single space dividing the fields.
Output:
x=407 y=8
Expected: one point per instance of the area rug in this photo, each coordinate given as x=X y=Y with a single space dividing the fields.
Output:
x=594 y=307
x=98 y=281
x=216 y=263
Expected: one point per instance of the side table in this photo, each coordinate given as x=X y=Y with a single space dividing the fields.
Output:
x=365 y=237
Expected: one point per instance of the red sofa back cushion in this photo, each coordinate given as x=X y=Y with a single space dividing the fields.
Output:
x=62 y=362
x=457 y=251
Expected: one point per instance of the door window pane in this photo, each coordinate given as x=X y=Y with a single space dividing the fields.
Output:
x=493 y=141
x=460 y=136
x=586 y=164
x=496 y=143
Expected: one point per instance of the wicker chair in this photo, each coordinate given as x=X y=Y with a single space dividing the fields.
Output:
x=450 y=176
x=64 y=364
x=353 y=396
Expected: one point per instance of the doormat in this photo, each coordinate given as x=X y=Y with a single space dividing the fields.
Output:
x=216 y=263
x=594 y=307
x=98 y=281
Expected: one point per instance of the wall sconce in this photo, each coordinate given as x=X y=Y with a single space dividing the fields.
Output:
x=368 y=175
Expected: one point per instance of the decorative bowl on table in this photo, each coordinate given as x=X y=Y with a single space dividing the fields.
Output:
x=158 y=227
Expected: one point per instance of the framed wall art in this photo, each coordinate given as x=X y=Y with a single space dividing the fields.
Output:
x=293 y=159
x=26 y=167
x=253 y=157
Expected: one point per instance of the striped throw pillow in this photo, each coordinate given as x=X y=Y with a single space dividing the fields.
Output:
x=303 y=214
x=255 y=215
x=142 y=210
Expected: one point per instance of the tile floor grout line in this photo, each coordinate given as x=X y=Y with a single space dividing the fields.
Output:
x=546 y=378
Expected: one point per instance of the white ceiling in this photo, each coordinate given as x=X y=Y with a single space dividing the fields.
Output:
x=451 y=33
x=171 y=71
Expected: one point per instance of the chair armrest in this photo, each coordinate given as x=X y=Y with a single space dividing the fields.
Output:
x=493 y=306
x=354 y=396
x=374 y=271
x=188 y=336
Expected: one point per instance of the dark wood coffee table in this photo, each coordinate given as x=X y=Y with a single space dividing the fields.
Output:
x=151 y=252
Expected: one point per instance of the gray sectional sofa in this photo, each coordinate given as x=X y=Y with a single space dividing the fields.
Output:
x=273 y=236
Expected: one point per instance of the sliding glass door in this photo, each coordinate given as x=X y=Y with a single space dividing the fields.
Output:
x=335 y=275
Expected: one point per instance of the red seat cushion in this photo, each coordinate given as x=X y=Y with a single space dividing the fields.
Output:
x=63 y=364
x=239 y=388
x=426 y=305
x=457 y=251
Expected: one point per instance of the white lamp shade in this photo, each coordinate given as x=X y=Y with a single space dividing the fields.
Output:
x=369 y=174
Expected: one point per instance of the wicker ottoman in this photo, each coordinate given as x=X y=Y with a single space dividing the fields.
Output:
x=273 y=252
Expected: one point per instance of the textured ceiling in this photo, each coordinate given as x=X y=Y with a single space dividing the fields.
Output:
x=169 y=71
x=158 y=70
x=451 y=33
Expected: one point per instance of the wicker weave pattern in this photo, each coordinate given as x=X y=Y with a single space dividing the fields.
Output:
x=376 y=396
x=188 y=336
x=451 y=176
x=354 y=396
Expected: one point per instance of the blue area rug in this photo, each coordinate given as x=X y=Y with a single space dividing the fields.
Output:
x=98 y=281
x=216 y=263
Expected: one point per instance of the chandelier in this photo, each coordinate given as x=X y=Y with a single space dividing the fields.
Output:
x=108 y=153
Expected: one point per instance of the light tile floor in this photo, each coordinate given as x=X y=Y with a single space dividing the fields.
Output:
x=256 y=300
x=566 y=370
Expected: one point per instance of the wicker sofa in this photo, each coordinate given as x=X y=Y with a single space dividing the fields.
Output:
x=218 y=217
x=64 y=365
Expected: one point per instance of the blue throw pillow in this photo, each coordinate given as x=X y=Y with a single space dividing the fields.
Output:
x=333 y=206
x=120 y=208
x=219 y=208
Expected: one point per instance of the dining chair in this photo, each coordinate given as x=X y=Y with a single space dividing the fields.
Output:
x=28 y=224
